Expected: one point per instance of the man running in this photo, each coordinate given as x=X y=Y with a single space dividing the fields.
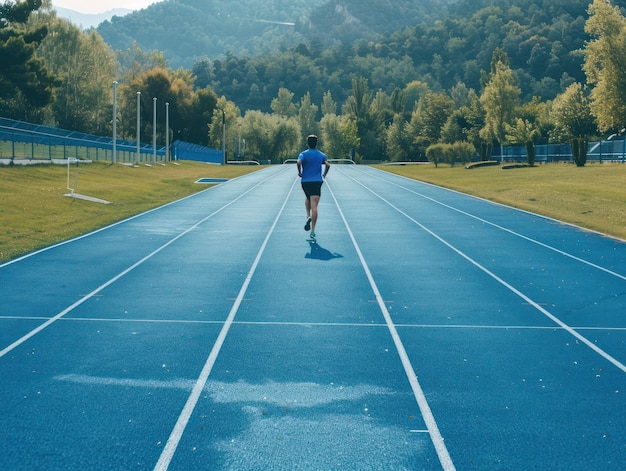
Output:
x=310 y=171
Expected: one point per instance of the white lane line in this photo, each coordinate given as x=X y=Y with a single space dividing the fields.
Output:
x=429 y=419
x=86 y=297
x=317 y=324
x=534 y=304
x=183 y=419
x=505 y=229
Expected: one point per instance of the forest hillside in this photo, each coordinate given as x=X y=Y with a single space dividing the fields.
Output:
x=185 y=30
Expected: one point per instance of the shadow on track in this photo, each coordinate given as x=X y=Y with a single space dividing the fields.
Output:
x=320 y=253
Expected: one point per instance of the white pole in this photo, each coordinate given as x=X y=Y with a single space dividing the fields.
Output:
x=167 y=132
x=138 y=126
x=154 y=106
x=114 y=121
x=223 y=137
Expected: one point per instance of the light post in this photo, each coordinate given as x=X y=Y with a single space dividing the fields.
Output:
x=154 y=116
x=239 y=144
x=138 y=126
x=114 y=121
x=167 y=132
x=223 y=137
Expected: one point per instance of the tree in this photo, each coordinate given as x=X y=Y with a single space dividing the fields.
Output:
x=398 y=140
x=156 y=83
x=225 y=120
x=461 y=151
x=605 y=65
x=85 y=68
x=339 y=136
x=573 y=120
x=329 y=106
x=413 y=92
x=499 y=100
x=472 y=119
x=190 y=111
x=358 y=108
x=433 y=110
x=454 y=128
x=524 y=132
x=307 y=114
x=134 y=62
x=197 y=116
x=436 y=153
x=25 y=83
x=283 y=104
x=269 y=137
x=358 y=103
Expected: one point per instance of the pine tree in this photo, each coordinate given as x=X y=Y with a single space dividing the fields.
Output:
x=23 y=76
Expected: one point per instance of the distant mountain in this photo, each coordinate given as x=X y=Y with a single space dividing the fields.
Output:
x=86 y=20
x=187 y=30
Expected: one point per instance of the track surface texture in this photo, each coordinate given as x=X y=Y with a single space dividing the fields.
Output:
x=423 y=329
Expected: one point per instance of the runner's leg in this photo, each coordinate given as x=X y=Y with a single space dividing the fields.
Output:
x=314 y=201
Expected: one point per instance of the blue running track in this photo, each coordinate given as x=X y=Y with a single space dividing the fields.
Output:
x=425 y=329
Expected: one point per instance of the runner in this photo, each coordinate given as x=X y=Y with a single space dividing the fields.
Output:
x=310 y=171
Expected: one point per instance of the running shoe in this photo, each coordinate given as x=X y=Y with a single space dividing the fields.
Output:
x=307 y=226
x=312 y=235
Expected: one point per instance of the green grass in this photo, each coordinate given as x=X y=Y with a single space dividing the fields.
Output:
x=34 y=213
x=593 y=197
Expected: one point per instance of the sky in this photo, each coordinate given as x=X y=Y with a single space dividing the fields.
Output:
x=100 y=6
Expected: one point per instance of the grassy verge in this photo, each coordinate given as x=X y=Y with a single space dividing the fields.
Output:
x=593 y=197
x=34 y=213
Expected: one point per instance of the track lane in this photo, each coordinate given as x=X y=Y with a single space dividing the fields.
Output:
x=473 y=360
x=571 y=288
x=308 y=374
x=312 y=376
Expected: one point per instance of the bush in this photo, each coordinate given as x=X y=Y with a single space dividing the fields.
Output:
x=436 y=153
x=461 y=151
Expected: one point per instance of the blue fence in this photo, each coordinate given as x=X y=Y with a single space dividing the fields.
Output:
x=600 y=151
x=186 y=151
x=25 y=141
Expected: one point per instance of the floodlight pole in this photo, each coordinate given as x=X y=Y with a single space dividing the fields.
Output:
x=114 y=121
x=154 y=114
x=138 y=126
x=223 y=137
x=167 y=132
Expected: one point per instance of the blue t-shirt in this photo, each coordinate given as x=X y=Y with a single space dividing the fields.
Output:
x=312 y=161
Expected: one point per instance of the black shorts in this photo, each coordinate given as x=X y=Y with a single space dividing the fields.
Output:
x=312 y=189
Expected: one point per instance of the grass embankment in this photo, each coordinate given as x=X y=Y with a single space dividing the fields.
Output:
x=34 y=213
x=593 y=197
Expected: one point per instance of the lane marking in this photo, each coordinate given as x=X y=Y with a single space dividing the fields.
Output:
x=427 y=415
x=100 y=288
x=314 y=324
x=183 y=419
x=534 y=304
x=505 y=229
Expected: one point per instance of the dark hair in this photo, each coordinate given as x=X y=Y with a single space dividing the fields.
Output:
x=311 y=141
